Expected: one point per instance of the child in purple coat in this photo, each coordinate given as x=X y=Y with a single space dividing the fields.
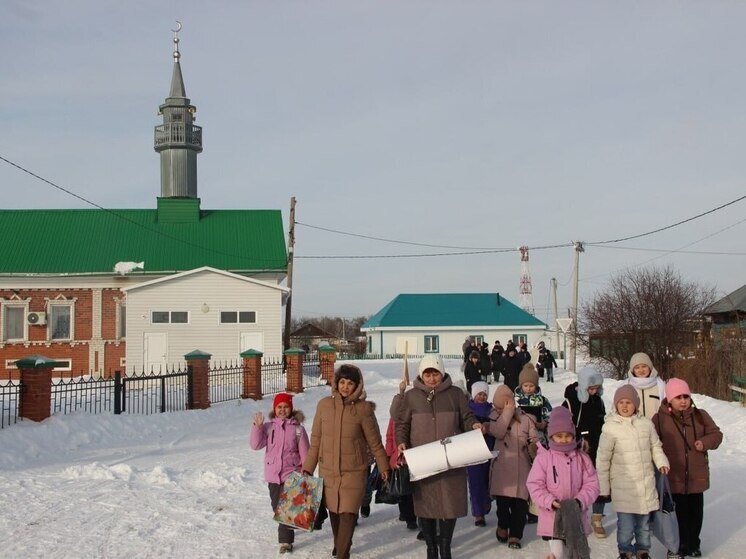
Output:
x=561 y=473
x=286 y=442
x=479 y=474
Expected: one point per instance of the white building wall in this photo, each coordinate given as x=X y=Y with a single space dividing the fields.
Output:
x=450 y=339
x=203 y=295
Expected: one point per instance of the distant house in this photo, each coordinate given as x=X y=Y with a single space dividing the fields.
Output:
x=727 y=318
x=440 y=322
x=106 y=289
x=311 y=335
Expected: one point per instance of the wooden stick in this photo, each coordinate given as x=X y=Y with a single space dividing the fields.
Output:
x=405 y=373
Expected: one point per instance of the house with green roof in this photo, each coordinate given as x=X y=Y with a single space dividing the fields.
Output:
x=441 y=322
x=107 y=289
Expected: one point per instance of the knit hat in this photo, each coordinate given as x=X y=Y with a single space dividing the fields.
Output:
x=641 y=359
x=431 y=361
x=501 y=396
x=560 y=421
x=528 y=374
x=479 y=386
x=349 y=372
x=676 y=387
x=627 y=391
x=283 y=398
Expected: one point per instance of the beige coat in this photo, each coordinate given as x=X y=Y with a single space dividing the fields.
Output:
x=421 y=421
x=626 y=452
x=513 y=434
x=343 y=430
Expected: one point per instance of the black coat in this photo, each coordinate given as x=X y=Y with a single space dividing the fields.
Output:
x=547 y=359
x=588 y=417
x=497 y=355
x=473 y=373
x=511 y=369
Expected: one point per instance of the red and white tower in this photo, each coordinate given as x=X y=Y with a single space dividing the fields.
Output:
x=526 y=299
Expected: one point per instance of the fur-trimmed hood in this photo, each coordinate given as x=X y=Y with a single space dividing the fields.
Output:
x=297 y=415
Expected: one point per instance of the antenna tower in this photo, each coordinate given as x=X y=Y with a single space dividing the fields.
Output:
x=526 y=299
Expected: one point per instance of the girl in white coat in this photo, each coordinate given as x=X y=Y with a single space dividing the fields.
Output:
x=628 y=448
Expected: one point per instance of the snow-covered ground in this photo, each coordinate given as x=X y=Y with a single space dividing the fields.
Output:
x=187 y=485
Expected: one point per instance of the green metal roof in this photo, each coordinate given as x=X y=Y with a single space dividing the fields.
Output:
x=451 y=309
x=93 y=241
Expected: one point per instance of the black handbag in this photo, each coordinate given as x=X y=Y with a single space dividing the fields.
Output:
x=399 y=482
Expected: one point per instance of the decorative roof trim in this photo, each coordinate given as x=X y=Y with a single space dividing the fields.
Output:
x=205 y=269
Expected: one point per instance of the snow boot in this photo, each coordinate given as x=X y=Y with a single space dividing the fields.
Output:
x=597 y=523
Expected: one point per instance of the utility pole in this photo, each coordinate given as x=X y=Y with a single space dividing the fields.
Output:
x=574 y=337
x=553 y=281
x=288 y=303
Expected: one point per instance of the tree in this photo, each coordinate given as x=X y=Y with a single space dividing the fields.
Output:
x=649 y=309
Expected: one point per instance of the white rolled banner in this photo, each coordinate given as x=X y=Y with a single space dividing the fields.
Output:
x=458 y=451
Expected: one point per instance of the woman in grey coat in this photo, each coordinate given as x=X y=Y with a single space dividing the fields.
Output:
x=433 y=410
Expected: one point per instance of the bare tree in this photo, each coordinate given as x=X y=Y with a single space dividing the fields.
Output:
x=649 y=309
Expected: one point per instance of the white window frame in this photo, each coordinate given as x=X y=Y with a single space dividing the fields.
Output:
x=15 y=303
x=433 y=338
x=238 y=317
x=51 y=304
x=170 y=317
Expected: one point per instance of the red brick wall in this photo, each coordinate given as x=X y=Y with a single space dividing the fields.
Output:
x=78 y=350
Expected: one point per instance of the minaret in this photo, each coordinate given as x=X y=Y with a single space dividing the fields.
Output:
x=178 y=139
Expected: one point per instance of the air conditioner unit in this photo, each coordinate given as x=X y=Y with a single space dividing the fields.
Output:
x=36 y=318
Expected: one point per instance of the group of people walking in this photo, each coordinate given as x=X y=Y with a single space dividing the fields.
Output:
x=553 y=466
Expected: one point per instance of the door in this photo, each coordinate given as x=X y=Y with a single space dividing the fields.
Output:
x=155 y=351
x=252 y=340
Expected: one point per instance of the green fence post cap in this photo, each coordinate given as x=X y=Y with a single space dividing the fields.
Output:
x=327 y=349
x=251 y=352
x=38 y=362
x=197 y=354
x=293 y=351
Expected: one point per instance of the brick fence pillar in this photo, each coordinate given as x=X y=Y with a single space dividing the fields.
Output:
x=327 y=359
x=35 y=401
x=199 y=362
x=294 y=368
x=252 y=374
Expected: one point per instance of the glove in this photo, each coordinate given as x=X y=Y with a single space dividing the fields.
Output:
x=604 y=499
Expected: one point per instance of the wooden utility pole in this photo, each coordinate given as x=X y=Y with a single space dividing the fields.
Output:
x=556 y=315
x=288 y=303
x=574 y=337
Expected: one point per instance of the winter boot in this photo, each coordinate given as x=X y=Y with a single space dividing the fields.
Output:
x=597 y=523
x=445 y=535
x=501 y=534
x=429 y=532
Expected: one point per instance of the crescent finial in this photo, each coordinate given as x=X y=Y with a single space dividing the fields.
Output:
x=178 y=28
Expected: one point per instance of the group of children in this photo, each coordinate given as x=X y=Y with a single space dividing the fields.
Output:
x=563 y=461
x=586 y=458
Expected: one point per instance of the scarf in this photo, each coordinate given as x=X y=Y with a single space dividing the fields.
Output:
x=568 y=526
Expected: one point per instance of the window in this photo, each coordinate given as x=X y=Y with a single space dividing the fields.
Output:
x=370 y=344
x=432 y=344
x=60 y=322
x=518 y=338
x=122 y=321
x=166 y=317
x=237 y=317
x=13 y=322
x=478 y=339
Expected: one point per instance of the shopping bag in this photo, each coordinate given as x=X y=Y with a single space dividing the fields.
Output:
x=663 y=521
x=299 y=501
x=399 y=482
x=383 y=495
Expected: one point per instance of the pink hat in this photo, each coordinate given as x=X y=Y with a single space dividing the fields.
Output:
x=501 y=396
x=560 y=421
x=676 y=387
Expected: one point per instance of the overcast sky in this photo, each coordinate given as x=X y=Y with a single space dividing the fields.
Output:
x=471 y=124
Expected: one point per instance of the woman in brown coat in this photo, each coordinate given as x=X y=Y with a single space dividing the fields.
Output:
x=687 y=433
x=433 y=410
x=344 y=427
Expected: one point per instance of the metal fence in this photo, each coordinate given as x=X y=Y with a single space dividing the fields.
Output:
x=148 y=393
x=9 y=394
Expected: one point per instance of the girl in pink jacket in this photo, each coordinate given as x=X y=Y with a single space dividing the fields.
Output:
x=559 y=474
x=286 y=442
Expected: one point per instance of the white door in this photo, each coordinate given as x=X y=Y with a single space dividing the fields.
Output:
x=252 y=340
x=155 y=351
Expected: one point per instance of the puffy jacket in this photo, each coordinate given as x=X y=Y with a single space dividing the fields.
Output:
x=431 y=415
x=343 y=430
x=513 y=434
x=626 y=452
x=650 y=389
x=690 y=470
x=286 y=441
x=558 y=476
